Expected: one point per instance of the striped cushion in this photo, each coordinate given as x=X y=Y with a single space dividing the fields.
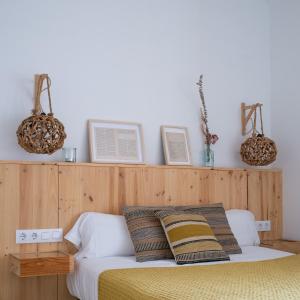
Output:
x=190 y=237
x=146 y=232
x=216 y=218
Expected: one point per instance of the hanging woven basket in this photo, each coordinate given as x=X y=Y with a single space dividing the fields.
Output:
x=41 y=133
x=258 y=150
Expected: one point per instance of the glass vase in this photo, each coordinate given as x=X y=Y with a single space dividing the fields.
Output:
x=69 y=154
x=208 y=156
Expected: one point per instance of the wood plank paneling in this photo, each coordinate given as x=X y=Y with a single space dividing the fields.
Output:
x=83 y=189
x=109 y=189
x=35 y=195
x=28 y=199
x=265 y=200
x=170 y=186
x=228 y=187
x=153 y=186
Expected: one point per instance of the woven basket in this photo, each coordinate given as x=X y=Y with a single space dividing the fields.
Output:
x=41 y=133
x=258 y=150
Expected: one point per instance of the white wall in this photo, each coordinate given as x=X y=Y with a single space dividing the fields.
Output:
x=285 y=63
x=135 y=60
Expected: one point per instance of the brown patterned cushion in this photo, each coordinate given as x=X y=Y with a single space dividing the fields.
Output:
x=146 y=232
x=216 y=218
x=190 y=237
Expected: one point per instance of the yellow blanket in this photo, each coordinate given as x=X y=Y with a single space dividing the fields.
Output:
x=277 y=279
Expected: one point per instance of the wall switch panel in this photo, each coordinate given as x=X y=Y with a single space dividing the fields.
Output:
x=32 y=236
x=263 y=225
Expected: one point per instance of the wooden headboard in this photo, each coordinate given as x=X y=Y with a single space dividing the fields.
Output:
x=42 y=195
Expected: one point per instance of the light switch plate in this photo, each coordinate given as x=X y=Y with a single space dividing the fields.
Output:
x=263 y=225
x=32 y=236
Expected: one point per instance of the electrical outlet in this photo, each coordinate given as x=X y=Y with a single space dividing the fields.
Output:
x=30 y=236
x=263 y=225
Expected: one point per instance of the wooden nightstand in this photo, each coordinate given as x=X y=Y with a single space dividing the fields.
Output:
x=41 y=264
x=283 y=245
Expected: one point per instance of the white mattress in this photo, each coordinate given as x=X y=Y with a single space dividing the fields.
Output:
x=83 y=283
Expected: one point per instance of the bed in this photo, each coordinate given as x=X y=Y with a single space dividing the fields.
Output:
x=83 y=283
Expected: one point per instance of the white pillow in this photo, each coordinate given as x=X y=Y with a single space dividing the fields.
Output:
x=100 y=235
x=243 y=226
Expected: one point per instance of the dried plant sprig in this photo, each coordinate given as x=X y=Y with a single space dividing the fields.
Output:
x=203 y=108
x=209 y=138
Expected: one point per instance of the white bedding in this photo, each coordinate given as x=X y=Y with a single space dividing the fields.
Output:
x=83 y=283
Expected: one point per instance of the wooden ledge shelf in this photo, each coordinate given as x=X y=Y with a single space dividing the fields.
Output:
x=283 y=245
x=41 y=264
x=134 y=166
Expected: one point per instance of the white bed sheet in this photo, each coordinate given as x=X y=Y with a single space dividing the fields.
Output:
x=83 y=282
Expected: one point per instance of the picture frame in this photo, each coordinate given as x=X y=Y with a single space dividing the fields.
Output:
x=176 y=145
x=116 y=142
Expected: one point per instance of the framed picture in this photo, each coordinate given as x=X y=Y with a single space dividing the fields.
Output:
x=116 y=142
x=176 y=145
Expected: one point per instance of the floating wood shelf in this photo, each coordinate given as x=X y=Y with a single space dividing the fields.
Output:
x=41 y=264
x=283 y=245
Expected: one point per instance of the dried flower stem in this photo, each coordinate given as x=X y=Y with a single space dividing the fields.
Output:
x=203 y=112
x=210 y=138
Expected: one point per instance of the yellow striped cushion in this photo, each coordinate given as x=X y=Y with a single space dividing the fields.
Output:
x=190 y=237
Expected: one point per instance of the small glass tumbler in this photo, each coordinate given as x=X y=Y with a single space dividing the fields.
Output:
x=69 y=154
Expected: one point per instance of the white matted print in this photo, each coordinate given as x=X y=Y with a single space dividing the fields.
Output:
x=176 y=145
x=116 y=142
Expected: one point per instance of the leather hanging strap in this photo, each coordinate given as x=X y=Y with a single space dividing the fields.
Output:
x=261 y=121
x=254 y=130
x=254 y=123
x=39 y=81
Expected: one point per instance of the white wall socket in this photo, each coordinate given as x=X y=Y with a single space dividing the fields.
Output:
x=32 y=236
x=263 y=225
